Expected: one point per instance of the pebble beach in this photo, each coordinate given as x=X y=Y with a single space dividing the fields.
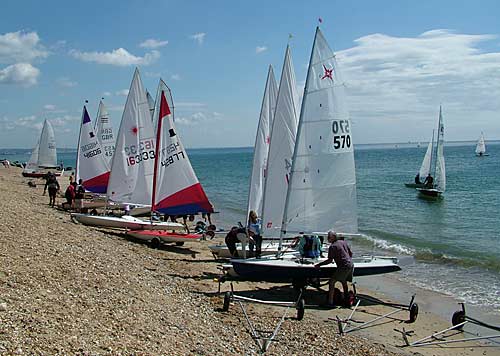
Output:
x=69 y=289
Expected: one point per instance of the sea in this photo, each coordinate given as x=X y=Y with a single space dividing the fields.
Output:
x=451 y=245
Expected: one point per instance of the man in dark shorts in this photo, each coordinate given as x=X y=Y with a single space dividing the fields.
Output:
x=339 y=252
x=52 y=185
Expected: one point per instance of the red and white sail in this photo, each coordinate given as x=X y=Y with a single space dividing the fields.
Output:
x=177 y=190
x=91 y=163
x=131 y=177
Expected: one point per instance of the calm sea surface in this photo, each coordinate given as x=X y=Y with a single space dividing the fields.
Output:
x=451 y=245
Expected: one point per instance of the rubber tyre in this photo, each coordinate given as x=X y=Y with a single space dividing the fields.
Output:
x=457 y=318
x=154 y=243
x=227 y=300
x=413 y=312
x=179 y=243
x=301 y=306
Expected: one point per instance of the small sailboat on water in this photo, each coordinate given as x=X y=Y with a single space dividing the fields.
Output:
x=481 y=147
x=425 y=168
x=44 y=155
x=437 y=186
x=321 y=194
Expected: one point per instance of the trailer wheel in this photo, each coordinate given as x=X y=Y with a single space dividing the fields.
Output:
x=154 y=243
x=227 y=300
x=457 y=318
x=301 y=305
x=179 y=243
x=413 y=312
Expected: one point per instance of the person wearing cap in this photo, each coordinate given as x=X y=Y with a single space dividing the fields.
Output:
x=254 y=228
x=340 y=252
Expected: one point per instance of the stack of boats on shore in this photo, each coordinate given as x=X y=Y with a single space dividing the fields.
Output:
x=146 y=170
x=303 y=176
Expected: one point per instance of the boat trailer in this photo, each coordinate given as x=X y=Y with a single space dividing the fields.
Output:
x=345 y=325
x=263 y=338
x=458 y=320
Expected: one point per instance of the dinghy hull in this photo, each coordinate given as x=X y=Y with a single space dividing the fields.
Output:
x=125 y=222
x=164 y=236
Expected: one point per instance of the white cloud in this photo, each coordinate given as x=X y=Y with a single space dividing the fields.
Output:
x=152 y=43
x=123 y=92
x=395 y=84
x=197 y=118
x=49 y=107
x=259 y=49
x=175 y=77
x=118 y=57
x=21 y=47
x=198 y=37
x=23 y=74
x=65 y=82
x=106 y=93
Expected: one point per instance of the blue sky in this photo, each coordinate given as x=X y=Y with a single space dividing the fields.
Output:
x=399 y=60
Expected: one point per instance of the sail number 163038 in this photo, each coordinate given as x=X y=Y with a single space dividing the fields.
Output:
x=341 y=134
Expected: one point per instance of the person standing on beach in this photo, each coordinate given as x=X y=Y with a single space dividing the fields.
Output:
x=70 y=194
x=339 y=252
x=79 y=193
x=254 y=227
x=52 y=185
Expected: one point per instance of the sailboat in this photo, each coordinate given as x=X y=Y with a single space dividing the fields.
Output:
x=104 y=131
x=439 y=184
x=176 y=189
x=44 y=155
x=321 y=193
x=131 y=177
x=481 y=147
x=425 y=168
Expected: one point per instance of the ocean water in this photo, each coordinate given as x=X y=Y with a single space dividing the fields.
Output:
x=451 y=245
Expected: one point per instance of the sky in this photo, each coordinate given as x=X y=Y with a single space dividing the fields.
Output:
x=399 y=60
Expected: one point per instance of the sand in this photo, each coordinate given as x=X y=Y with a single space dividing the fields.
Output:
x=70 y=289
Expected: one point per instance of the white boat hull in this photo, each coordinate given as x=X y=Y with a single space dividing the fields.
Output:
x=124 y=222
x=221 y=250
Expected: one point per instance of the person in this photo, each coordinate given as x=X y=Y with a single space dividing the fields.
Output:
x=340 y=252
x=417 y=179
x=52 y=185
x=72 y=177
x=254 y=230
x=6 y=163
x=70 y=195
x=309 y=246
x=126 y=209
x=79 y=194
x=429 y=182
x=232 y=239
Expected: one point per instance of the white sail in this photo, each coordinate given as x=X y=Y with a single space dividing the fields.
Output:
x=32 y=164
x=47 y=154
x=425 y=168
x=151 y=104
x=279 y=160
x=261 y=147
x=91 y=162
x=104 y=131
x=322 y=190
x=177 y=190
x=156 y=103
x=481 y=147
x=131 y=175
x=440 y=179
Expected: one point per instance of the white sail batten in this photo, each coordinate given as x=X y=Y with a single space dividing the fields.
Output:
x=131 y=175
x=425 y=168
x=283 y=131
x=481 y=146
x=261 y=147
x=440 y=179
x=47 y=154
x=322 y=191
x=104 y=130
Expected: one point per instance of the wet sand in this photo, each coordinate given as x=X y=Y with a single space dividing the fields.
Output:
x=71 y=289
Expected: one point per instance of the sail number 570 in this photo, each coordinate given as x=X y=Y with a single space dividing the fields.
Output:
x=341 y=134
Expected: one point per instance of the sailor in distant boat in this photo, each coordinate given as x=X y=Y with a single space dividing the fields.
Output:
x=417 y=179
x=429 y=182
x=340 y=252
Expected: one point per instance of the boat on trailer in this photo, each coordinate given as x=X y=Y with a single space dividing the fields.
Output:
x=124 y=222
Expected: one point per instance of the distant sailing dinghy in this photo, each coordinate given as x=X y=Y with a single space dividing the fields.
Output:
x=176 y=189
x=44 y=155
x=131 y=176
x=439 y=184
x=425 y=168
x=321 y=193
x=481 y=147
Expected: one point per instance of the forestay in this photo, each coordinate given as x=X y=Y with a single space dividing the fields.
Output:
x=105 y=134
x=47 y=154
x=261 y=148
x=177 y=190
x=91 y=163
x=279 y=160
x=131 y=175
x=440 y=180
x=322 y=191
